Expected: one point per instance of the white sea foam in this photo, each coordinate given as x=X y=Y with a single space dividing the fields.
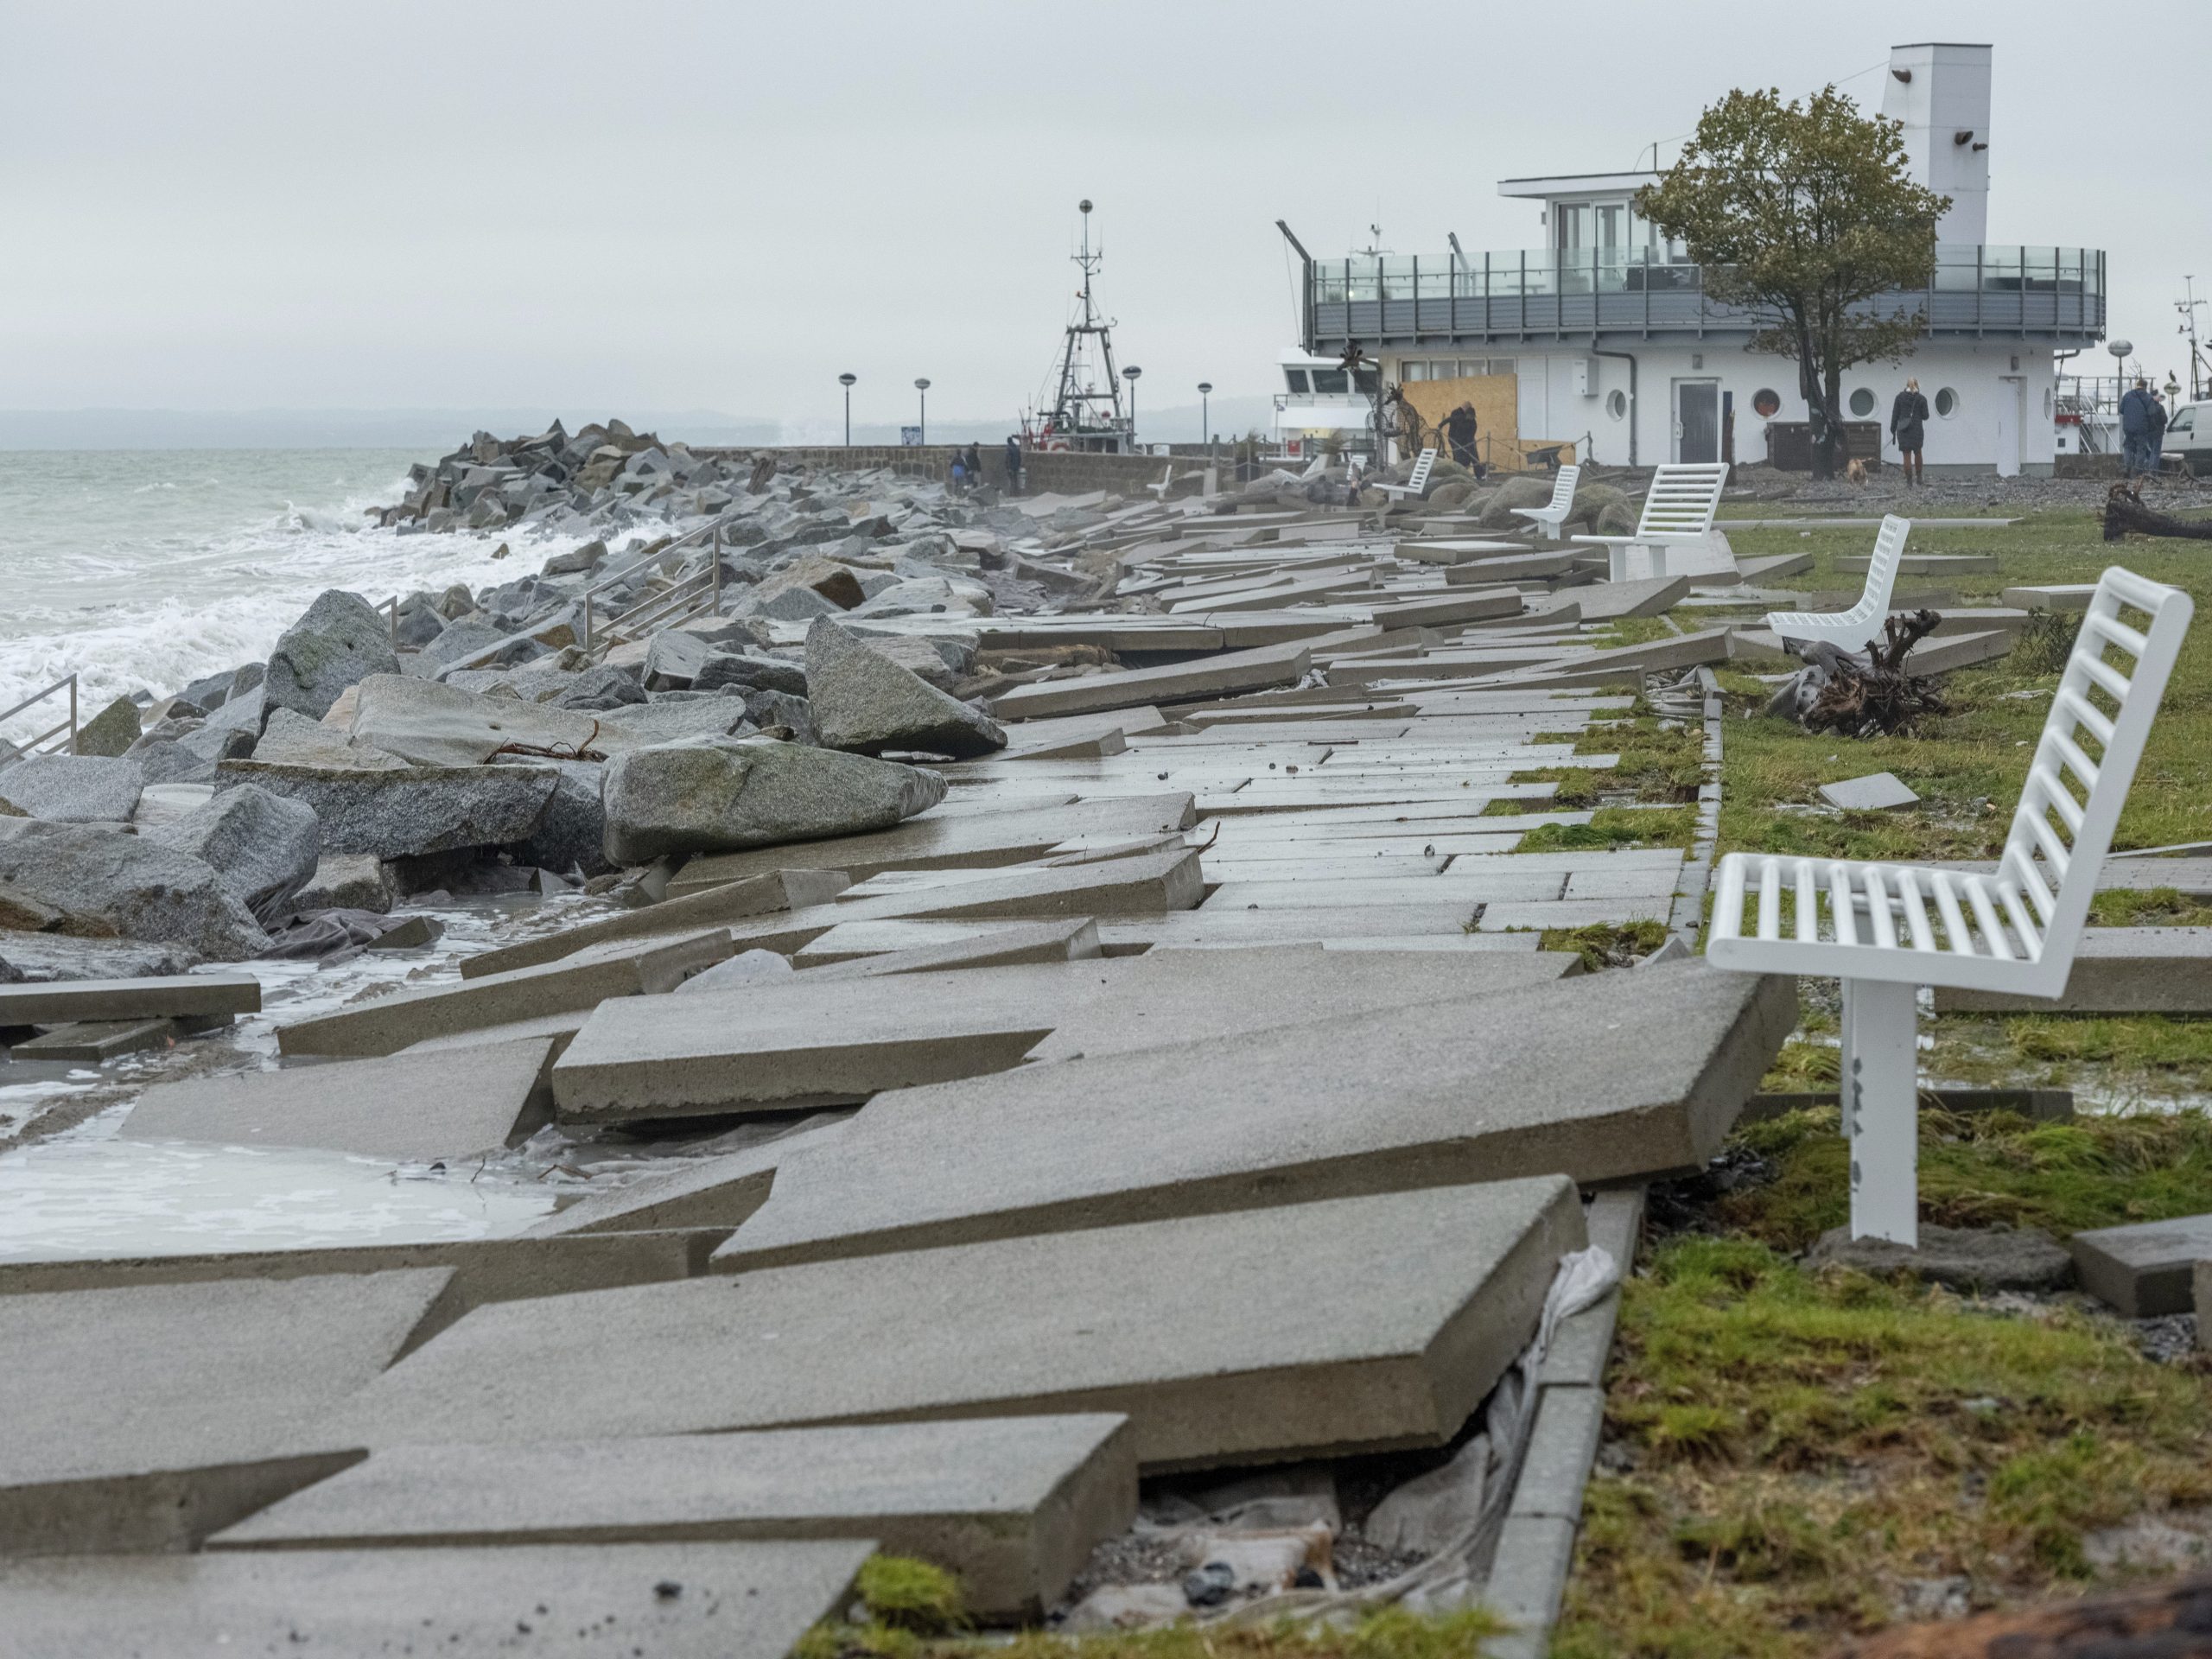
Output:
x=145 y=571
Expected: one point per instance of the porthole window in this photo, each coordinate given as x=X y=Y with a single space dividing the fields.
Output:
x=1616 y=404
x=1766 y=401
x=1862 y=402
x=1947 y=403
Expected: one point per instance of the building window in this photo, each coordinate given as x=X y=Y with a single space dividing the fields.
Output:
x=1947 y=403
x=1409 y=371
x=1616 y=404
x=1296 y=377
x=1330 y=380
x=1767 y=402
x=1862 y=402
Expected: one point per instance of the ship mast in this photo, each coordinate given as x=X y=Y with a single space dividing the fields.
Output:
x=1088 y=415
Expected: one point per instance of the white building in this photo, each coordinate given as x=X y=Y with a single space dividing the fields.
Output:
x=1614 y=347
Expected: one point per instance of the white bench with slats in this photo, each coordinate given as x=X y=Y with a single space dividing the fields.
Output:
x=1417 y=481
x=1886 y=929
x=1678 y=508
x=1852 y=629
x=1553 y=513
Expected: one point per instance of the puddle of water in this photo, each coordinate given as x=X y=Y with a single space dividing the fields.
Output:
x=89 y=1195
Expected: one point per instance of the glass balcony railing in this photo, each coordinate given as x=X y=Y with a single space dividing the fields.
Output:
x=1625 y=270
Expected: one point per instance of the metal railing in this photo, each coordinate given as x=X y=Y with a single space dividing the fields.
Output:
x=702 y=589
x=65 y=729
x=1972 y=290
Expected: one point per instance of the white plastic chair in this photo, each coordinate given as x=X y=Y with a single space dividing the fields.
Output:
x=1679 y=507
x=1854 y=628
x=1417 y=481
x=1166 y=483
x=1553 y=514
x=2014 y=930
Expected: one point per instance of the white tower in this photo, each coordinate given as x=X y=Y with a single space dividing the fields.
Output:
x=1941 y=93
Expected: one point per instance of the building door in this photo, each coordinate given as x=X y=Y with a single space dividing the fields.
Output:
x=2011 y=401
x=1697 y=419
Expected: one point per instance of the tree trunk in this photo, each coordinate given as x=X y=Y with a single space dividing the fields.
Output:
x=1808 y=384
x=1832 y=412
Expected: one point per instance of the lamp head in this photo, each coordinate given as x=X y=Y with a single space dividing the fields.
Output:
x=847 y=379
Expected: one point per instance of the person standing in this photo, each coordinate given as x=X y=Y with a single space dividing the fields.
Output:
x=2142 y=422
x=1907 y=429
x=1459 y=428
x=1013 y=465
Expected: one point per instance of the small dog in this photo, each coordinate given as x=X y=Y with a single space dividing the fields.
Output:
x=1856 y=471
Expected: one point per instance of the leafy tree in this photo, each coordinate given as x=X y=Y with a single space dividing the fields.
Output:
x=1802 y=214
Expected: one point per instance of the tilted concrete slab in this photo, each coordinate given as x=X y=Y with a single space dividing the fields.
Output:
x=2116 y=971
x=796 y=1041
x=1236 y=670
x=1941 y=656
x=60 y=1001
x=2144 y=1269
x=620 y=968
x=145 y=1418
x=674 y=1600
x=94 y=1041
x=482 y=1270
x=1245 y=1362
x=1073 y=939
x=755 y=895
x=939 y=839
x=2053 y=596
x=417 y=1107
x=703 y=1193
x=1602 y=601
x=1013 y=1505
x=1517 y=1084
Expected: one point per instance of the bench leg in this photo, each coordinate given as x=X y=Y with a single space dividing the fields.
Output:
x=1881 y=1108
x=1617 y=563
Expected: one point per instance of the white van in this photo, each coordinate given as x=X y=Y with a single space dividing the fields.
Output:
x=2189 y=436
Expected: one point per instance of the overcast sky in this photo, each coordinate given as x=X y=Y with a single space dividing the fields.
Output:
x=598 y=208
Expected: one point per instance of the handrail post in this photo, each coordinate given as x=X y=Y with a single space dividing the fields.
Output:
x=587 y=593
x=73 y=714
x=718 y=567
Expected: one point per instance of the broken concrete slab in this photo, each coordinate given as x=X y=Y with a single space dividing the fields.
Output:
x=145 y=1418
x=407 y=1108
x=1602 y=601
x=1245 y=1363
x=756 y=895
x=1878 y=792
x=1524 y=1088
x=620 y=968
x=2116 y=971
x=2144 y=1269
x=751 y=1601
x=1071 y=938
x=129 y=999
x=2050 y=596
x=1013 y=1505
x=94 y=1041
x=1941 y=655
x=712 y=1192
x=1925 y=564
x=1236 y=670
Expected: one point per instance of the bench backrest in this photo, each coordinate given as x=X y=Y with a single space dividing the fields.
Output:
x=1682 y=499
x=1882 y=566
x=2106 y=702
x=1422 y=467
x=1563 y=487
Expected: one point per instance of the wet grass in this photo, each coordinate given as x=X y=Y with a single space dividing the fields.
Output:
x=1607 y=945
x=1801 y=1446
x=1612 y=827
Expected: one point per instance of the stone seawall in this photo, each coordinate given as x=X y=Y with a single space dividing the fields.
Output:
x=1063 y=471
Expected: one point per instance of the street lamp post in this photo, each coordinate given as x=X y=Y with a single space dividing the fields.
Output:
x=1206 y=416
x=923 y=386
x=1130 y=375
x=846 y=381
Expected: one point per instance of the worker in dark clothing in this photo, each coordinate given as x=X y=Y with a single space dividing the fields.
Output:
x=1013 y=465
x=1907 y=429
x=1460 y=428
x=2142 y=427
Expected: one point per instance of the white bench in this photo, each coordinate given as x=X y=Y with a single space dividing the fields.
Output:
x=1417 y=481
x=1553 y=514
x=1852 y=629
x=1885 y=928
x=1678 y=508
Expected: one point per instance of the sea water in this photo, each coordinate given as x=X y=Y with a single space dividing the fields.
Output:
x=145 y=569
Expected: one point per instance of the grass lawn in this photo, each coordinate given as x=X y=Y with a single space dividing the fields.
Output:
x=1797 y=1457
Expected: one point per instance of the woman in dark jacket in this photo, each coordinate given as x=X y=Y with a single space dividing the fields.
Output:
x=1908 y=422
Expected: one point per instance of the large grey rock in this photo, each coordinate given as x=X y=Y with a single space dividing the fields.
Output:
x=864 y=701
x=603 y=687
x=141 y=889
x=645 y=725
x=46 y=957
x=74 y=788
x=1226 y=1339
x=143 y=1419
x=1964 y=1258
x=262 y=846
x=428 y=724
x=292 y=740
x=111 y=731
x=1013 y=1505
x=1513 y=1085
x=165 y=760
x=572 y=835
x=339 y=642
x=795 y=715
x=751 y=1601
x=727 y=795
x=349 y=881
x=751 y=671
x=1517 y=490
x=406 y=812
